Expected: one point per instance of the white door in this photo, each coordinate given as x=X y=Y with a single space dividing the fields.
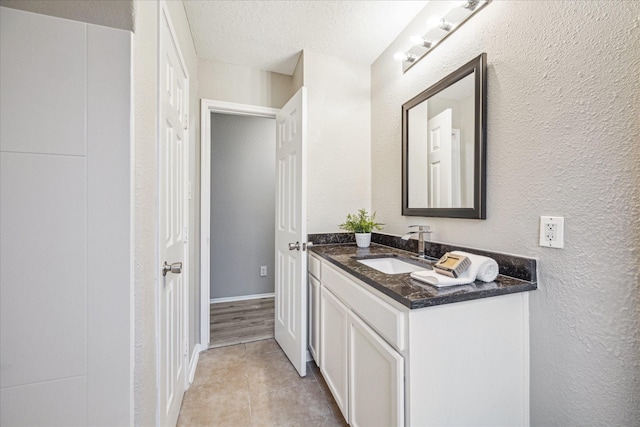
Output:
x=291 y=231
x=439 y=157
x=173 y=97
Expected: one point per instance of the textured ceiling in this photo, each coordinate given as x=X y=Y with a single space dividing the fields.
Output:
x=270 y=35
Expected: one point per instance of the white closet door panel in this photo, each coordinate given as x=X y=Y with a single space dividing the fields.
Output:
x=43 y=83
x=109 y=228
x=43 y=274
x=54 y=403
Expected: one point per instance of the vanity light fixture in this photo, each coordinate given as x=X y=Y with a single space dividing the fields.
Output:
x=439 y=23
x=420 y=41
x=471 y=4
x=439 y=28
x=404 y=57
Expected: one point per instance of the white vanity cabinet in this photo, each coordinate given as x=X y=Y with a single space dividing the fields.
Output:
x=363 y=371
x=462 y=363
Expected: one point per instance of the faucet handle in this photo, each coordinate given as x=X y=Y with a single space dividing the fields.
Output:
x=422 y=227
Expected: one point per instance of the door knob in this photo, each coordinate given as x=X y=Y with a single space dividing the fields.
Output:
x=175 y=268
x=294 y=246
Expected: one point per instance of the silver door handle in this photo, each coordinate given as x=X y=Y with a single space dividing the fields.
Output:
x=175 y=268
x=294 y=246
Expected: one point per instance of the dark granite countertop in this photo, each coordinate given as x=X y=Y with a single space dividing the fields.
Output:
x=407 y=291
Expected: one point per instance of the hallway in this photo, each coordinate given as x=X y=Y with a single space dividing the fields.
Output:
x=254 y=384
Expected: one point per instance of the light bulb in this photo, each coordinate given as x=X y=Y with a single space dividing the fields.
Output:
x=400 y=56
x=437 y=22
x=404 y=57
x=434 y=22
x=471 y=4
x=420 y=41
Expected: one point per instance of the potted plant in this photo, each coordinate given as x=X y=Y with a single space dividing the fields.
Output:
x=362 y=225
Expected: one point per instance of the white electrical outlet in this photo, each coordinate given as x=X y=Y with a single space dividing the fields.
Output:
x=552 y=231
x=263 y=270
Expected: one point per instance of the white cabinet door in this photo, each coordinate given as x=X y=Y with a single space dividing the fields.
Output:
x=314 y=318
x=333 y=347
x=376 y=378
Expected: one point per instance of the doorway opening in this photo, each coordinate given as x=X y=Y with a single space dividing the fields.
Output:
x=290 y=227
x=242 y=228
x=237 y=205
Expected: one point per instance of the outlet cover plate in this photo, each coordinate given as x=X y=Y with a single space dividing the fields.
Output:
x=552 y=231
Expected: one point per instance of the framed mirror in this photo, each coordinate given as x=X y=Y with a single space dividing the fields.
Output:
x=444 y=146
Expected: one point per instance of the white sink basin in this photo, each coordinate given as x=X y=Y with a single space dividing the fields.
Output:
x=391 y=265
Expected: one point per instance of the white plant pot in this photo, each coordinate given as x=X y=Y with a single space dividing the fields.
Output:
x=363 y=240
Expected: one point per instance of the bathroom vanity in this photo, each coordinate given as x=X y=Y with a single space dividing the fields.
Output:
x=394 y=352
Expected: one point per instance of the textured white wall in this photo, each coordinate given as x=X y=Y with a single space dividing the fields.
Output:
x=339 y=131
x=562 y=139
x=145 y=200
x=243 y=85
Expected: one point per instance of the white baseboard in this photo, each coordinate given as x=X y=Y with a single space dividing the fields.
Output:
x=241 y=298
x=194 y=362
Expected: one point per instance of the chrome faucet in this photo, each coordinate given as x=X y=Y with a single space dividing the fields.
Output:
x=422 y=230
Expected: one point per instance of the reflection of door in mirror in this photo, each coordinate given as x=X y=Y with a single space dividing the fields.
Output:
x=456 y=189
x=439 y=160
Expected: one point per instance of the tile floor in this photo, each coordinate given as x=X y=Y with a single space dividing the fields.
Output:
x=254 y=384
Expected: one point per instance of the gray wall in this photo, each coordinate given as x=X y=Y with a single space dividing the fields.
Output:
x=242 y=205
x=563 y=125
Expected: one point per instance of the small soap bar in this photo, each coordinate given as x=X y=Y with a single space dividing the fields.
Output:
x=452 y=265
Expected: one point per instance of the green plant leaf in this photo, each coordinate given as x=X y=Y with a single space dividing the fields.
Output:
x=361 y=222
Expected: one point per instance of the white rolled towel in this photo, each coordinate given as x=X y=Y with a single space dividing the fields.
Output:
x=481 y=268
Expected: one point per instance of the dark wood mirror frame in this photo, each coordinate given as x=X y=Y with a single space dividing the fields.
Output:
x=478 y=211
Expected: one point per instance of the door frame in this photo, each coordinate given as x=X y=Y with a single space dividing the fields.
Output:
x=208 y=106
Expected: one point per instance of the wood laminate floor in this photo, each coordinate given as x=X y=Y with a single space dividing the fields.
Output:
x=240 y=322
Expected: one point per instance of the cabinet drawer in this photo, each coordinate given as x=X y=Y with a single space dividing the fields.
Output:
x=381 y=316
x=315 y=266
